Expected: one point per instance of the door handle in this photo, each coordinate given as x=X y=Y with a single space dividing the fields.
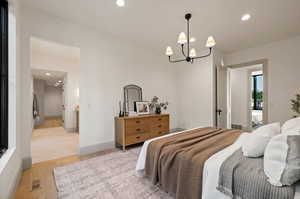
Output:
x=219 y=111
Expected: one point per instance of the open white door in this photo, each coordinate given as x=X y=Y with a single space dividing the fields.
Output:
x=222 y=97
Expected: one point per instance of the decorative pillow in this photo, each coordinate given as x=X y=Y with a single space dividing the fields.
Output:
x=282 y=159
x=257 y=140
x=268 y=130
x=291 y=125
x=255 y=145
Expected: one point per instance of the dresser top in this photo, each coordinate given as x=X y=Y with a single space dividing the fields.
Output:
x=142 y=116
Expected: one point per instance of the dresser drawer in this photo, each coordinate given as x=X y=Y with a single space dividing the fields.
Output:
x=134 y=139
x=136 y=130
x=162 y=125
x=157 y=133
x=160 y=119
x=160 y=128
x=135 y=123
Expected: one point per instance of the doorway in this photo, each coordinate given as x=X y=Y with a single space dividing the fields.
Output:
x=257 y=100
x=55 y=82
x=242 y=95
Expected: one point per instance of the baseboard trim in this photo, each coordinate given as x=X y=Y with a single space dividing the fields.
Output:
x=71 y=130
x=27 y=163
x=17 y=182
x=96 y=148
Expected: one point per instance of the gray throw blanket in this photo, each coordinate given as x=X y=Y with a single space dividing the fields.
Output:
x=244 y=178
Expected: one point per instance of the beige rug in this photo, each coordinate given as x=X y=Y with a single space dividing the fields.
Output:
x=110 y=176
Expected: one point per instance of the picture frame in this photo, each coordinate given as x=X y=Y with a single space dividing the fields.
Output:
x=142 y=108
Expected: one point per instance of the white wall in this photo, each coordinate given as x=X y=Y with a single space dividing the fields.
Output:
x=107 y=64
x=283 y=70
x=52 y=62
x=39 y=90
x=10 y=163
x=195 y=90
x=53 y=101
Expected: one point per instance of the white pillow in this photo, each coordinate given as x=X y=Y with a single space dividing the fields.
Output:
x=291 y=125
x=282 y=159
x=257 y=140
x=269 y=130
x=255 y=145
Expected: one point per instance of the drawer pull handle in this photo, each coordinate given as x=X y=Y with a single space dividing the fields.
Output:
x=159 y=132
x=159 y=119
x=138 y=137
x=138 y=129
x=159 y=126
x=138 y=122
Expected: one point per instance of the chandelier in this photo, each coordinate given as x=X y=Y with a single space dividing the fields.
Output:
x=191 y=54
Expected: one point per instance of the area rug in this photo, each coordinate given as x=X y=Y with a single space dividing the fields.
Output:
x=110 y=176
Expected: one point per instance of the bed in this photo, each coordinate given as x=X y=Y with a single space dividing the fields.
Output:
x=211 y=167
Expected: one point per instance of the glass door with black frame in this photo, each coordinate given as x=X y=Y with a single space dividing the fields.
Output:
x=4 y=77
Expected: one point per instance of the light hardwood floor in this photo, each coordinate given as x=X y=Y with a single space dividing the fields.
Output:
x=44 y=140
x=38 y=182
x=51 y=123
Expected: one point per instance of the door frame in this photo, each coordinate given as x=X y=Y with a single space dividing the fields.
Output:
x=264 y=63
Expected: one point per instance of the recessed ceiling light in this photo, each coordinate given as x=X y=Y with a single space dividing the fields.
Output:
x=246 y=17
x=120 y=3
x=48 y=74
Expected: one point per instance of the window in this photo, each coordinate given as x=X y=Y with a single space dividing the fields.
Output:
x=4 y=77
x=257 y=92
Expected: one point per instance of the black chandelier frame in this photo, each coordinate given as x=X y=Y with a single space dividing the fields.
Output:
x=187 y=56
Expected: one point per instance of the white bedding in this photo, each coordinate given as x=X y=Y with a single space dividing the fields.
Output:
x=211 y=168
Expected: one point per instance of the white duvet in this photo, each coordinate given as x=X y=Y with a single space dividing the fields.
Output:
x=211 y=168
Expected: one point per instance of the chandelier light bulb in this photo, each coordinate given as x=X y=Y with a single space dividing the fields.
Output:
x=193 y=53
x=210 y=42
x=246 y=17
x=169 y=51
x=182 y=38
x=193 y=39
x=120 y=3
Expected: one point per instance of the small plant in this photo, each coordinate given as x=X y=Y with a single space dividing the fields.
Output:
x=156 y=106
x=296 y=104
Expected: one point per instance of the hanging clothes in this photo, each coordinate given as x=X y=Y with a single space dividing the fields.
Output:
x=35 y=110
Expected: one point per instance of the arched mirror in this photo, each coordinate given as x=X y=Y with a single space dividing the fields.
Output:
x=132 y=93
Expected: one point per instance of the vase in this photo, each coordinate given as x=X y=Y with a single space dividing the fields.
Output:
x=158 y=110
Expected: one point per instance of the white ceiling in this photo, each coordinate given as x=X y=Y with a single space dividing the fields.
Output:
x=50 y=80
x=156 y=24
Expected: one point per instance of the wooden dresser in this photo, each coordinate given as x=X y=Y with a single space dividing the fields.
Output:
x=133 y=130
